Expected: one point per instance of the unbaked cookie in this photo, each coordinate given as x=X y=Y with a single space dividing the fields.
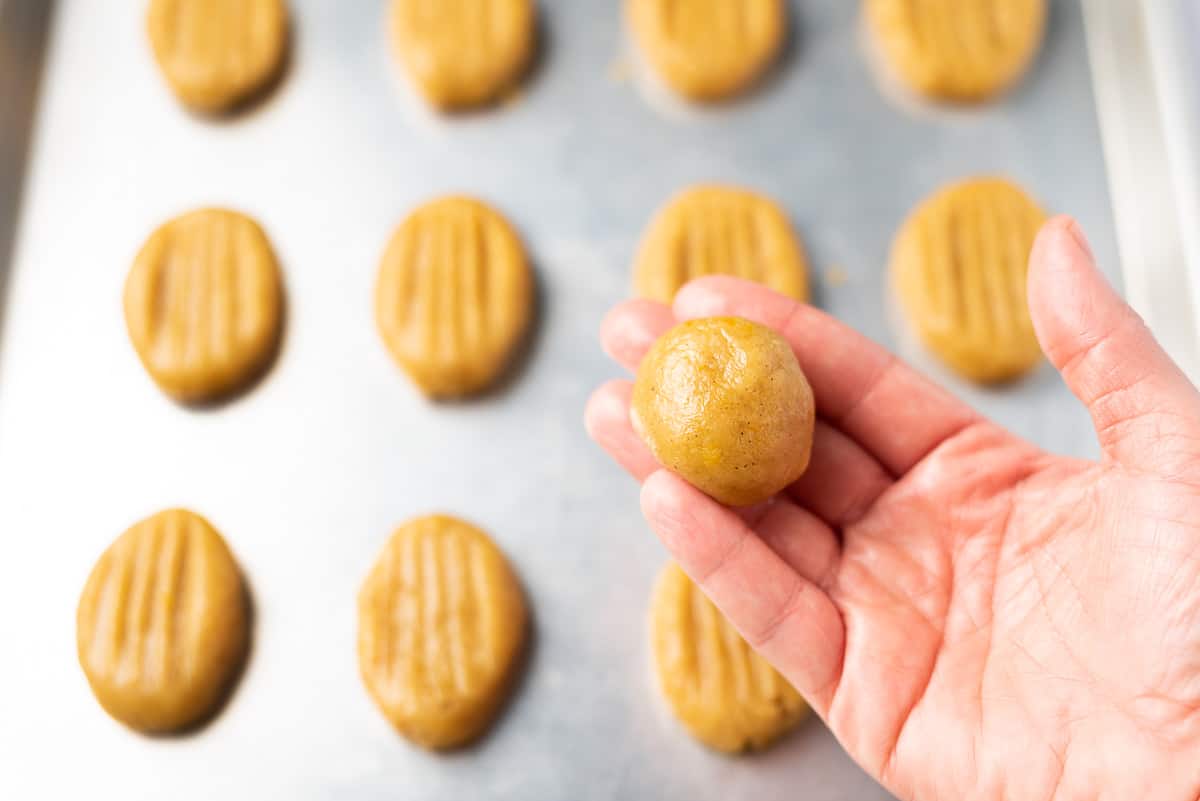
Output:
x=726 y=695
x=441 y=627
x=162 y=627
x=467 y=52
x=217 y=54
x=959 y=264
x=203 y=304
x=454 y=296
x=709 y=49
x=958 y=50
x=711 y=230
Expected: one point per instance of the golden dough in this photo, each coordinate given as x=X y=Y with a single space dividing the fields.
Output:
x=162 y=628
x=217 y=54
x=467 y=52
x=958 y=50
x=203 y=304
x=709 y=49
x=441 y=627
x=726 y=695
x=722 y=402
x=711 y=230
x=959 y=263
x=454 y=296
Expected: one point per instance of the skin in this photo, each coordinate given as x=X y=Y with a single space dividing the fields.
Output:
x=973 y=617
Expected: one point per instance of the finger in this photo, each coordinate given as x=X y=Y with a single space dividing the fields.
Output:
x=892 y=412
x=631 y=328
x=1143 y=407
x=606 y=419
x=805 y=542
x=842 y=482
x=787 y=618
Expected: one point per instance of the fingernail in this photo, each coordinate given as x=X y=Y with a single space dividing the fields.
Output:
x=1074 y=229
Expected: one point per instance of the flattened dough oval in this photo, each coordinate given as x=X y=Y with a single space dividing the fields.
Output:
x=162 y=625
x=959 y=264
x=720 y=230
x=203 y=304
x=441 y=626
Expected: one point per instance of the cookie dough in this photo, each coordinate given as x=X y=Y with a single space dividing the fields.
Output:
x=162 y=627
x=958 y=50
x=709 y=50
x=959 y=264
x=218 y=54
x=454 y=296
x=464 y=53
x=723 y=403
x=203 y=304
x=726 y=695
x=708 y=230
x=441 y=628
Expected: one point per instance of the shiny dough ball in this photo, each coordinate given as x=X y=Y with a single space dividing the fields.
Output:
x=723 y=403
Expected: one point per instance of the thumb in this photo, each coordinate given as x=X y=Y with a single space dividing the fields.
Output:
x=1145 y=410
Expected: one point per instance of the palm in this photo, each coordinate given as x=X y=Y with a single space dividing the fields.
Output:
x=973 y=617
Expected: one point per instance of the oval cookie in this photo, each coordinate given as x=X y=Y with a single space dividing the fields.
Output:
x=441 y=627
x=959 y=263
x=203 y=304
x=718 y=230
x=464 y=53
x=217 y=54
x=726 y=695
x=162 y=626
x=454 y=296
x=958 y=50
x=709 y=49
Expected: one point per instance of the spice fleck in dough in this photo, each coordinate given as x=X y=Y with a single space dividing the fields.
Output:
x=467 y=52
x=217 y=54
x=960 y=264
x=958 y=50
x=709 y=50
x=441 y=626
x=162 y=626
x=726 y=695
x=454 y=296
x=203 y=304
x=711 y=230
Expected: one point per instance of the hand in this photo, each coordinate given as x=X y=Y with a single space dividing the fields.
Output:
x=974 y=618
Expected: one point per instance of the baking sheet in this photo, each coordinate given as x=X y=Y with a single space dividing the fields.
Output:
x=309 y=473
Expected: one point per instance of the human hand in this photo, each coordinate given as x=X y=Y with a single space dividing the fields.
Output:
x=973 y=617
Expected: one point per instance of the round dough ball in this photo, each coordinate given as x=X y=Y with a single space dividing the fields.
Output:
x=464 y=53
x=958 y=50
x=441 y=628
x=217 y=54
x=723 y=403
x=709 y=50
x=959 y=263
x=203 y=304
x=162 y=627
x=720 y=230
x=727 y=696
x=454 y=296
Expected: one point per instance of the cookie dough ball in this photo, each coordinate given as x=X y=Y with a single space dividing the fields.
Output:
x=723 y=403
x=959 y=264
x=203 y=305
x=218 y=54
x=441 y=627
x=709 y=50
x=464 y=53
x=958 y=50
x=720 y=230
x=454 y=297
x=726 y=695
x=162 y=627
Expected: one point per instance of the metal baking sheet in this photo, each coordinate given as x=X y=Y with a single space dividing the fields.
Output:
x=309 y=473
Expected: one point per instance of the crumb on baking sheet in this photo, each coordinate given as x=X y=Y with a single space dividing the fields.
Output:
x=836 y=275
